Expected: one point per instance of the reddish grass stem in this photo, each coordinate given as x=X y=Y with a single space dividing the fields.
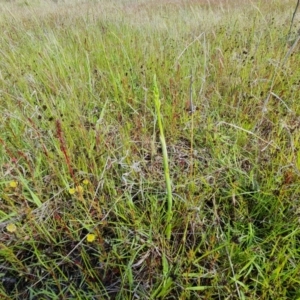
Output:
x=63 y=147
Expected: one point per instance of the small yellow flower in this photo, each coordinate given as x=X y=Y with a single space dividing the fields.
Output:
x=72 y=191
x=79 y=189
x=85 y=182
x=11 y=227
x=90 y=237
x=13 y=184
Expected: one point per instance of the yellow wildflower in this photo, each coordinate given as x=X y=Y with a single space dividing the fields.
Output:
x=13 y=184
x=85 y=182
x=72 y=191
x=90 y=237
x=79 y=189
x=11 y=227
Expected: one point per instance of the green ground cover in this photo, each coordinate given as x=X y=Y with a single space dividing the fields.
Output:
x=149 y=150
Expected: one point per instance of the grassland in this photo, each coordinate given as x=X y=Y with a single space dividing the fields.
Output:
x=149 y=150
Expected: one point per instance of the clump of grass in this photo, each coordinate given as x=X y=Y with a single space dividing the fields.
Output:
x=83 y=211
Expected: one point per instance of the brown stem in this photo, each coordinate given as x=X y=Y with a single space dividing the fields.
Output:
x=63 y=147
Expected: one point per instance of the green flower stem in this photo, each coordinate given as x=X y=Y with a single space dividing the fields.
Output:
x=165 y=158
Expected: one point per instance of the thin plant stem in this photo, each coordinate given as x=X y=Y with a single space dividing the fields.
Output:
x=165 y=158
